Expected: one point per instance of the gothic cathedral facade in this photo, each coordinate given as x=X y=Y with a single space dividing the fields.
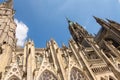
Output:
x=87 y=57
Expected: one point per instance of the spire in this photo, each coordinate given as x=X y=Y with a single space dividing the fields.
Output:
x=9 y=3
x=111 y=21
x=77 y=31
x=101 y=22
x=114 y=24
x=69 y=21
x=98 y=19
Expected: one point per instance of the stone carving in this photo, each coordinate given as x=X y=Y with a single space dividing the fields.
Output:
x=47 y=75
x=76 y=74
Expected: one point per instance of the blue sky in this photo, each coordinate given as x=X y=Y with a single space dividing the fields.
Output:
x=45 y=19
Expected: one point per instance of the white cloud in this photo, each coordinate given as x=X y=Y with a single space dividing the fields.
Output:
x=21 y=32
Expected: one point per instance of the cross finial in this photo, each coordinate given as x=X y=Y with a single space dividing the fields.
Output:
x=68 y=20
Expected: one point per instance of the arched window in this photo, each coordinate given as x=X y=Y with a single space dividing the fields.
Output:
x=47 y=75
x=13 y=78
x=76 y=74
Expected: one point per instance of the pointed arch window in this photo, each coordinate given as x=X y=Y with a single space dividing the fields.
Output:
x=13 y=78
x=76 y=74
x=47 y=75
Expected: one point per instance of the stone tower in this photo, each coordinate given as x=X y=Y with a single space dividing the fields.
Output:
x=7 y=35
x=87 y=57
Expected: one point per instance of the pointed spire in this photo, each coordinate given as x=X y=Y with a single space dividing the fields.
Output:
x=69 y=21
x=64 y=46
x=111 y=21
x=29 y=40
x=53 y=41
x=98 y=19
x=101 y=22
x=114 y=24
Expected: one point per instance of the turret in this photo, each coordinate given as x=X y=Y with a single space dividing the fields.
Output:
x=7 y=24
x=77 y=31
x=7 y=33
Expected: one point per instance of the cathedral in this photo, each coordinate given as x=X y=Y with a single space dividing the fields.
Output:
x=87 y=57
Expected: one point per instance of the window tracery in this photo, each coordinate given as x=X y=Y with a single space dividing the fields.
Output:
x=14 y=78
x=76 y=74
x=47 y=75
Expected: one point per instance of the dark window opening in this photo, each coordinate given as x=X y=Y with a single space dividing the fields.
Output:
x=110 y=55
x=92 y=55
x=1 y=50
x=29 y=51
x=119 y=66
x=113 y=42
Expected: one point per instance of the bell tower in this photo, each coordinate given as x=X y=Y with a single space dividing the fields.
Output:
x=89 y=52
x=109 y=41
x=7 y=33
x=7 y=24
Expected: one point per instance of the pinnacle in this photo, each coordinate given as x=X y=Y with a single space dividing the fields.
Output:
x=9 y=3
x=69 y=21
x=111 y=21
x=99 y=20
x=96 y=18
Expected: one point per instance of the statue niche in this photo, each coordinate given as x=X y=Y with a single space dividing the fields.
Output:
x=39 y=59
